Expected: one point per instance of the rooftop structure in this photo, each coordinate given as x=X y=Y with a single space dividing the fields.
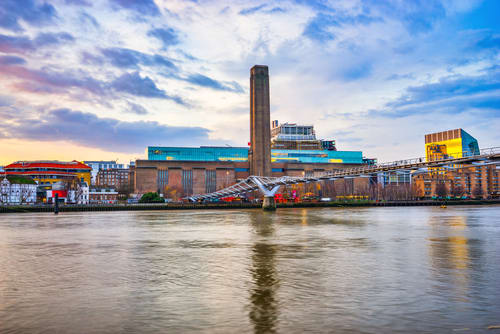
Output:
x=240 y=154
x=291 y=136
x=203 y=153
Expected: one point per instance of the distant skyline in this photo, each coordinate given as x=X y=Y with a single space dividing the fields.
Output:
x=101 y=80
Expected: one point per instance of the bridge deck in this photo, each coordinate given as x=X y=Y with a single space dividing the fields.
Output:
x=415 y=165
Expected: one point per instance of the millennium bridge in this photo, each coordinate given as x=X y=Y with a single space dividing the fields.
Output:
x=268 y=186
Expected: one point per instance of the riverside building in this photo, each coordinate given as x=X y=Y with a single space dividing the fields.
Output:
x=289 y=149
x=48 y=172
x=114 y=177
x=459 y=181
x=101 y=165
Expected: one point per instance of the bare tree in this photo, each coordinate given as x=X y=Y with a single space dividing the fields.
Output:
x=26 y=193
x=456 y=189
x=478 y=192
x=441 y=189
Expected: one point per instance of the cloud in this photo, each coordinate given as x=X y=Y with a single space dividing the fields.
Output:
x=78 y=2
x=167 y=36
x=400 y=76
x=251 y=10
x=455 y=94
x=136 y=109
x=28 y=11
x=417 y=16
x=317 y=28
x=131 y=59
x=6 y=101
x=23 y=44
x=45 y=39
x=134 y=84
x=127 y=58
x=105 y=133
x=48 y=81
x=204 y=81
x=11 y=60
x=88 y=19
x=357 y=71
x=142 y=7
x=13 y=44
x=320 y=27
x=52 y=81
x=490 y=42
x=261 y=9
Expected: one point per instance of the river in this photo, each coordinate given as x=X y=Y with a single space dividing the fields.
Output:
x=322 y=270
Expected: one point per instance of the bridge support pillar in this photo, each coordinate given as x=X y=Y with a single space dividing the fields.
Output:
x=269 y=204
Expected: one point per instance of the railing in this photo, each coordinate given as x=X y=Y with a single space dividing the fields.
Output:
x=252 y=182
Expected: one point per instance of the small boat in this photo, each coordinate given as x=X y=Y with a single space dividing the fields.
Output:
x=443 y=206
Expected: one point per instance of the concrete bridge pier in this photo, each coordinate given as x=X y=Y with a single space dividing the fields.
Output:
x=269 y=203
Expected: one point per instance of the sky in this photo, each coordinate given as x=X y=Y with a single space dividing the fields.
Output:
x=104 y=79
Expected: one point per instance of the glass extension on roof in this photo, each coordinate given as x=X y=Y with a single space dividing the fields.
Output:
x=241 y=154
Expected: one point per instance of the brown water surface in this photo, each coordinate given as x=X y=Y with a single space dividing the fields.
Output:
x=364 y=270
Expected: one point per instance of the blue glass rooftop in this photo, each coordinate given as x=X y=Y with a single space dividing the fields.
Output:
x=207 y=153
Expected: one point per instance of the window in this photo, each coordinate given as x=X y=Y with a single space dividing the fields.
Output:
x=187 y=182
x=210 y=181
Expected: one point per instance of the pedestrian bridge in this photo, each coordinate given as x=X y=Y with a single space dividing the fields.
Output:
x=268 y=186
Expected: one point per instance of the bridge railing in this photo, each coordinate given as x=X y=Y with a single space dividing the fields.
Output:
x=415 y=164
x=423 y=160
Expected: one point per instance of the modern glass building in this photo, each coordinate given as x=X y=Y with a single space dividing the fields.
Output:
x=208 y=153
x=317 y=156
x=452 y=143
x=203 y=153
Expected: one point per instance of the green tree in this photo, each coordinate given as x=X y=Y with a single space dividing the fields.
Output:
x=151 y=197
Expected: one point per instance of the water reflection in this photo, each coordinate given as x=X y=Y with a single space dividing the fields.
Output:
x=448 y=242
x=265 y=282
x=369 y=270
x=450 y=252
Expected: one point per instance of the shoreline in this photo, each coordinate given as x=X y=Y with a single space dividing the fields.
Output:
x=229 y=206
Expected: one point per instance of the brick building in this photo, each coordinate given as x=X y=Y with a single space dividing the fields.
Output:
x=103 y=195
x=468 y=181
x=465 y=181
x=114 y=177
x=183 y=171
x=184 y=178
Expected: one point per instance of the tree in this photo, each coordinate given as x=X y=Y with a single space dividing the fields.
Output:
x=456 y=189
x=441 y=190
x=26 y=193
x=151 y=198
x=174 y=193
x=478 y=191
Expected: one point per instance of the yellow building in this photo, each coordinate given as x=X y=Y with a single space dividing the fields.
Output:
x=452 y=143
x=50 y=172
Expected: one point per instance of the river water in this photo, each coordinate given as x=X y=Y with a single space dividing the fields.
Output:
x=325 y=270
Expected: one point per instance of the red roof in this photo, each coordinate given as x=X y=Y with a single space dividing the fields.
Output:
x=34 y=172
x=47 y=164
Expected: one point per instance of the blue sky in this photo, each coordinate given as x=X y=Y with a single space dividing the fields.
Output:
x=90 y=79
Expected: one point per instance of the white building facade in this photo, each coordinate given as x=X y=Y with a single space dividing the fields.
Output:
x=15 y=193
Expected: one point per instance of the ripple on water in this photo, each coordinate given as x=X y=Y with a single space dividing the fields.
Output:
x=359 y=270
